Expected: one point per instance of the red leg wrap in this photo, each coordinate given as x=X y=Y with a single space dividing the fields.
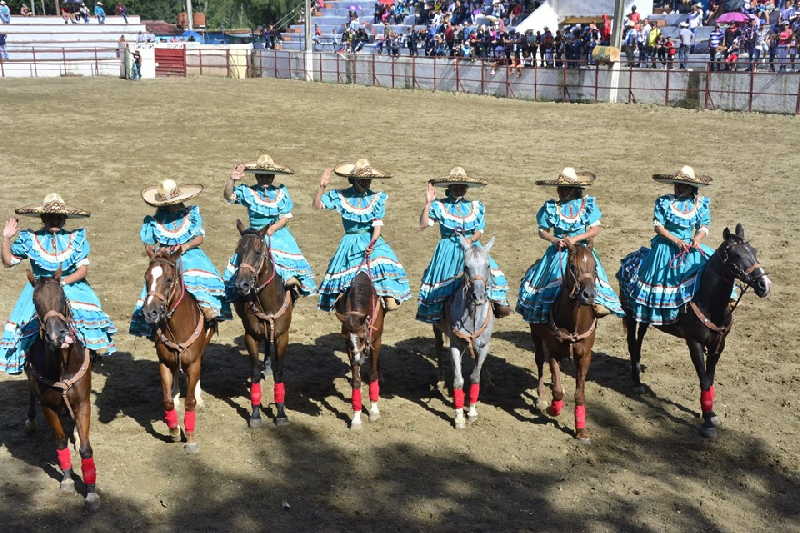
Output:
x=556 y=406
x=713 y=392
x=189 y=421
x=64 y=459
x=580 y=416
x=458 y=398
x=374 y=391
x=356 y=400
x=280 y=392
x=255 y=394
x=474 y=392
x=171 y=418
x=707 y=400
x=89 y=471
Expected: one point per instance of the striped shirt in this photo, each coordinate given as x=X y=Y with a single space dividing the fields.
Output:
x=715 y=39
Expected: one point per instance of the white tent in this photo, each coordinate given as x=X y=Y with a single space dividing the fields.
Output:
x=552 y=12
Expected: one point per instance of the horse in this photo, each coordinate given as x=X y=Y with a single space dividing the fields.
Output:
x=59 y=372
x=468 y=321
x=265 y=307
x=569 y=333
x=181 y=337
x=705 y=322
x=360 y=311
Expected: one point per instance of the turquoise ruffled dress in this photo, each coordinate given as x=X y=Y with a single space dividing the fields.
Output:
x=659 y=280
x=201 y=278
x=265 y=206
x=360 y=212
x=443 y=275
x=47 y=252
x=541 y=284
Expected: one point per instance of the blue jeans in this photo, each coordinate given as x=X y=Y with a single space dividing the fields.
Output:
x=3 y=53
x=101 y=19
x=6 y=19
x=136 y=73
x=683 y=55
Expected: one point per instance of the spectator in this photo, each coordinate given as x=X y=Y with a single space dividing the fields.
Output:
x=653 y=38
x=671 y=52
x=715 y=45
x=136 y=71
x=695 y=17
x=630 y=45
x=122 y=11
x=785 y=39
x=686 y=38
x=3 y=53
x=84 y=11
x=100 y=13
x=5 y=13
x=633 y=17
x=66 y=15
x=25 y=11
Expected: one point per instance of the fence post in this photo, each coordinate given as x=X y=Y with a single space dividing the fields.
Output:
x=434 y=73
x=666 y=89
x=752 y=82
x=96 y=66
x=338 y=78
x=320 y=66
x=228 y=63
x=596 y=80
x=564 y=91
x=630 y=82
x=797 y=105
x=535 y=80
x=483 y=67
x=275 y=63
x=33 y=56
x=200 y=59
x=414 y=72
x=64 y=59
x=508 y=82
x=707 y=89
x=458 y=77
x=393 y=62
x=2 y=68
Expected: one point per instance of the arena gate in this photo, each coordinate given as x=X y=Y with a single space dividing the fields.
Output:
x=170 y=62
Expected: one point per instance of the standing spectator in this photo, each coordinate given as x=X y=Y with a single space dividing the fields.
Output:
x=715 y=40
x=136 y=71
x=696 y=17
x=411 y=41
x=3 y=53
x=629 y=45
x=84 y=11
x=5 y=13
x=633 y=17
x=671 y=52
x=686 y=36
x=66 y=15
x=652 y=42
x=122 y=11
x=547 y=47
x=100 y=13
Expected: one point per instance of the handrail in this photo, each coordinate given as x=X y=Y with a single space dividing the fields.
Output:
x=290 y=15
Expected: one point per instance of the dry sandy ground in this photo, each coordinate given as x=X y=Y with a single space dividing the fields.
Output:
x=99 y=141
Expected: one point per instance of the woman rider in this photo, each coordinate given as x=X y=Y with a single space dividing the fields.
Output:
x=50 y=249
x=180 y=228
x=661 y=279
x=456 y=217
x=270 y=205
x=571 y=220
x=362 y=247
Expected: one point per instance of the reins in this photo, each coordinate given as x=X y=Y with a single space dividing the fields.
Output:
x=466 y=336
x=563 y=335
x=254 y=305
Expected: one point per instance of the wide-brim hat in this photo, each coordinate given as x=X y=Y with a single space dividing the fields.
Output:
x=170 y=193
x=459 y=176
x=569 y=177
x=52 y=204
x=686 y=175
x=361 y=169
x=265 y=165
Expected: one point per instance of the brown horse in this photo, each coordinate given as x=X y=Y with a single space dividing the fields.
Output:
x=59 y=370
x=265 y=306
x=361 y=314
x=181 y=337
x=570 y=333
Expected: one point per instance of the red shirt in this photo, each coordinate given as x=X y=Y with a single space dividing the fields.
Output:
x=634 y=17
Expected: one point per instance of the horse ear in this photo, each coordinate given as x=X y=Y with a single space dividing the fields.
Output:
x=740 y=231
x=489 y=245
x=590 y=243
x=240 y=226
x=31 y=278
x=465 y=244
x=726 y=234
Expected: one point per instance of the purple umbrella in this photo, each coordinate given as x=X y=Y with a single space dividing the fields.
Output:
x=733 y=16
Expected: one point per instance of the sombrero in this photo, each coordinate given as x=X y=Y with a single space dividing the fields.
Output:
x=170 y=193
x=265 y=165
x=360 y=169
x=52 y=204
x=569 y=177
x=458 y=176
x=686 y=176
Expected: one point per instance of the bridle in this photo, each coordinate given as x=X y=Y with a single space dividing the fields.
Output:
x=470 y=337
x=563 y=335
x=744 y=275
x=255 y=270
x=254 y=304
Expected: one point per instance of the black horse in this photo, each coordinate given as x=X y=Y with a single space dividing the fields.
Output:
x=707 y=319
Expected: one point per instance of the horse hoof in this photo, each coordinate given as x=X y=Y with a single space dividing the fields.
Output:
x=67 y=485
x=191 y=448
x=92 y=501
x=552 y=412
x=374 y=417
x=256 y=422
x=175 y=435
x=583 y=437
x=708 y=431
x=460 y=423
x=356 y=426
x=715 y=421
x=282 y=421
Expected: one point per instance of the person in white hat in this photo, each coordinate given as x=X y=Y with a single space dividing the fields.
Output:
x=179 y=227
x=5 y=13
x=52 y=249
x=100 y=13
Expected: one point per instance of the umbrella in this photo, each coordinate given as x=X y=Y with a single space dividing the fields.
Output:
x=732 y=17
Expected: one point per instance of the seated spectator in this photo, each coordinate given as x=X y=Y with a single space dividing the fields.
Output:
x=25 y=11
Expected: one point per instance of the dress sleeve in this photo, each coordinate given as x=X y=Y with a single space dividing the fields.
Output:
x=480 y=222
x=435 y=213
x=21 y=246
x=330 y=200
x=239 y=195
x=703 y=214
x=660 y=211
x=379 y=211
x=543 y=219
x=593 y=213
x=196 y=229
x=146 y=233
x=285 y=209
x=80 y=247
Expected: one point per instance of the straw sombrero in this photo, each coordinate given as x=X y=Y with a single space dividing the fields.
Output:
x=52 y=204
x=170 y=193
x=569 y=177
x=686 y=176
x=360 y=169
x=458 y=176
x=265 y=165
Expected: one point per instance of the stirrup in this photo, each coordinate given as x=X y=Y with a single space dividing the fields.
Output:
x=390 y=304
x=601 y=310
x=501 y=310
x=210 y=315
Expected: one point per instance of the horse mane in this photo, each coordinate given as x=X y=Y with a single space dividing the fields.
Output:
x=360 y=293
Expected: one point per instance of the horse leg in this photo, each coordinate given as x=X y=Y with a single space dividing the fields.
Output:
x=696 y=351
x=711 y=368
x=62 y=450
x=635 y=337
x=355 y=399
x=458 y=387
x=88 y=469
x=281 y=343
x=475 y=383
x=540 y=358
x=255 y=380
x=374 y=384
x=582 y=362
x=30 y=421
x=557 y=404
x=170 y=414
x=440 y=359
x=190 y=405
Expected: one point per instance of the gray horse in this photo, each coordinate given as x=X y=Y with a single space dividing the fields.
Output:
x=468 y=321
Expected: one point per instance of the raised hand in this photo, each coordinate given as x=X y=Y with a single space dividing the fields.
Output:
x=11 y=228
x=325 y=179
x=238 y=172
x=430 y=193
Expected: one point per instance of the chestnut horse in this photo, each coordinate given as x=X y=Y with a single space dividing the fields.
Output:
x=265 y=306
x=59 y=370
x=570 y=333
x=707 y=319
x=181 y=337
x=361 y=313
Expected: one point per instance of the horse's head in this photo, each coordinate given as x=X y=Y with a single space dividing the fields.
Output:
x=253 y=255
x=162 y=279
x=52 y=311
x=581 y=274
x=741 y=259
x=356 y=310
x=477 y=273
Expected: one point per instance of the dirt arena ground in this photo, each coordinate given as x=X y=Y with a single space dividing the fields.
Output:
x=100 y=141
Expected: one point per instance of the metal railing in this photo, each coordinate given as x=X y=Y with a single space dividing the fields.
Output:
x=36 y=62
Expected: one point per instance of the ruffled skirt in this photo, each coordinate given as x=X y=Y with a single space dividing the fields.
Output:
x=541 y=285
x=443 y=276
x=388 y=275
x=92 y=324
x=288 y=260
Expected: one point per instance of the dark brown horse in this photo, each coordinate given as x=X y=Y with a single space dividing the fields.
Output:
x=59 y=370
x=181 y=337
x=265 y=306
x=361 y=314
x=707 y=319
x=570 y=333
